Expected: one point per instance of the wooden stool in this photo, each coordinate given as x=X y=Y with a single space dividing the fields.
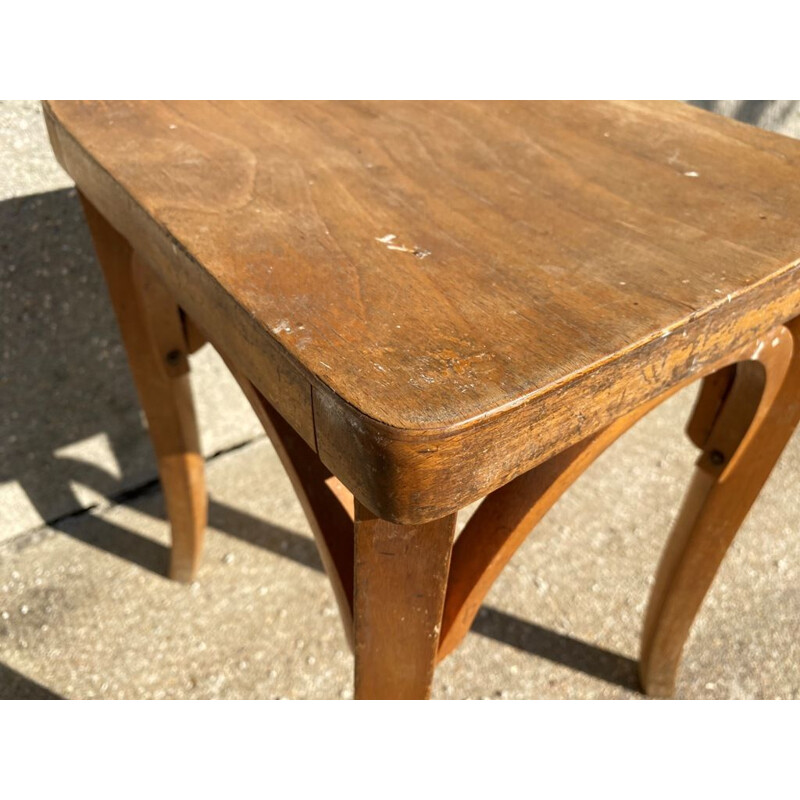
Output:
x=431 y=303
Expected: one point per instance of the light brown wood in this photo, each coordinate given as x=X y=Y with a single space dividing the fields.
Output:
x=195 y=339
x=152 y=333
x=427 y=304
x=547 y=257
x=504 y=520
x=327 y=506
x=710 y=398
x=758 y=414
x=507 y=516
x=401 y=575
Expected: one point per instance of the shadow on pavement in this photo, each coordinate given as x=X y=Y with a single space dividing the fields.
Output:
x=63 y=374
x=15 y=686
x=65 y=380
x=556 y=647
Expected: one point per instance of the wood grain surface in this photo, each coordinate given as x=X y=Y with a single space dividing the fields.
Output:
x=152 y=332
x=439 y=296
x=752 y=422
x=400 y=584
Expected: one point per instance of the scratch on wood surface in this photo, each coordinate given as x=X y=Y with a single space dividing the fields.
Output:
x=419 y=252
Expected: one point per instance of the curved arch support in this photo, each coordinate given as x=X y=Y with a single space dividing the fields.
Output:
x=747 y=407
x=504 y=520
x=327 y=504
x=753 y=419
x=506 y=517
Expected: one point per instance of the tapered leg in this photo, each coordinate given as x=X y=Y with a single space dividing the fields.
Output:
x=153 y=334
x=400 y=582
x=742 y=423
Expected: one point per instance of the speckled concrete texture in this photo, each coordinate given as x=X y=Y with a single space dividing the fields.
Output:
x=70 y=424
x=26 y=164
x=85 y=611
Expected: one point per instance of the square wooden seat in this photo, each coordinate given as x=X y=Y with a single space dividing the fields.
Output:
x=432 y=303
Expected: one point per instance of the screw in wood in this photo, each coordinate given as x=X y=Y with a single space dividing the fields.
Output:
x=716 y=457
x=173 y=357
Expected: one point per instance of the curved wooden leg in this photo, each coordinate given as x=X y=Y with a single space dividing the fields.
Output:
x=400 y=580
x=326 y=503
x=153 y=334
x=742 y=423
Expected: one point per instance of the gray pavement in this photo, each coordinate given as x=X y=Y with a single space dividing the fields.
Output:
x=70 y=425
x=85 y=611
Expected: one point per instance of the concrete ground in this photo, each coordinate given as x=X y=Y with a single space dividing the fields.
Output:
x=86 y=613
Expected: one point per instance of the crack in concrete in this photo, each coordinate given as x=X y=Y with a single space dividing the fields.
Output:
x=31 y=536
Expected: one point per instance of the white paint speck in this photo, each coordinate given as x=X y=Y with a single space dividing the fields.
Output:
x=390 y=237
x=172 y=127
x=692 y=174
x=282 y=327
